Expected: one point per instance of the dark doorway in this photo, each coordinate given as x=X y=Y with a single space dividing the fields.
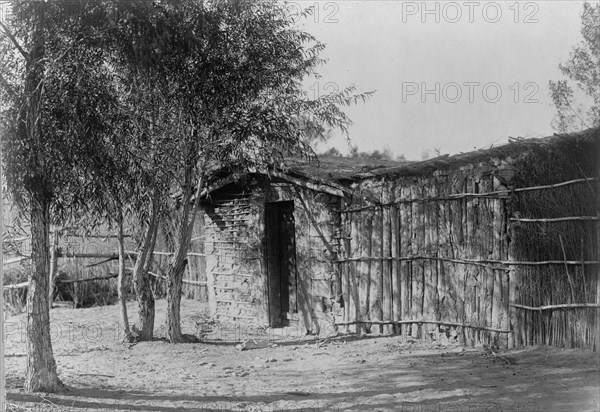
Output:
x=281 y=261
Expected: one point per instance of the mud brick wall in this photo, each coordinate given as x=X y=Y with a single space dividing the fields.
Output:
x=236 y=261
x=233 y=247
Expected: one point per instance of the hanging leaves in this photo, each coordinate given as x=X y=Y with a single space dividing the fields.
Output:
x=583 y=68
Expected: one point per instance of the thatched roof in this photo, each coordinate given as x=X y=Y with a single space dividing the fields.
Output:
x=340 y=170
x=333 y=174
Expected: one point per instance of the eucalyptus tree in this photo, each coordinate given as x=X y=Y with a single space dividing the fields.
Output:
x=215 y=84
x=151 y=150
x=53 y=98
x=583 y=67
x=75 y=144
x=127 y=177
x=232 y=73
x=85 y=139
x=131 y=176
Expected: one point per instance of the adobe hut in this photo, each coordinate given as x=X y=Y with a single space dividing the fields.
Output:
x=271 y=245
x=497 y=246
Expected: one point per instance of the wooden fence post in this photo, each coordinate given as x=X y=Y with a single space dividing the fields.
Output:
x=387 y=298
x=395 y=266
x=513 y=340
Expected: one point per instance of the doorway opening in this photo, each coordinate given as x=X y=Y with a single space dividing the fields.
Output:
x=281 y=262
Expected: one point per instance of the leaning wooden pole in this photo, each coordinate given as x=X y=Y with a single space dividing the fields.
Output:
x=596 y=346
x=2 y=376
x=53 y=267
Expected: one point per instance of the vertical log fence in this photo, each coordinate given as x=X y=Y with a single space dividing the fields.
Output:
x=437 y=258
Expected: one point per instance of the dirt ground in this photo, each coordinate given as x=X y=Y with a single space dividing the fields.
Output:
x=345 y=373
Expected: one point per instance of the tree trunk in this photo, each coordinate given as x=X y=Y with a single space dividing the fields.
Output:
x=174 y=292
x=175 y=272
x=145 y=297
x=41 y=373
x=143 y=289
x=121 y=281
x=145 y=300
x=183 y=228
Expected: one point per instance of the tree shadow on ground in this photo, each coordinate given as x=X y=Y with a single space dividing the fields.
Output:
x=288 y=340
x=432 y=381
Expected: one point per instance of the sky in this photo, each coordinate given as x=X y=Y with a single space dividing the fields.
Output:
x=450 y=77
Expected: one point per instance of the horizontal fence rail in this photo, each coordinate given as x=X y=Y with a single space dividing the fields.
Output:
x=432 y=322
x=480 y=262
x=109 y=276
x=460 y=196
x=107 y=256
x=556 y=219
x=562 y=306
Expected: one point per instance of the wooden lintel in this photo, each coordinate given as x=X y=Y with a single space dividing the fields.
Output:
x=319 y=187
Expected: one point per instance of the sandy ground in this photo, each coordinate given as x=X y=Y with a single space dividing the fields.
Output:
x=345 y=373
